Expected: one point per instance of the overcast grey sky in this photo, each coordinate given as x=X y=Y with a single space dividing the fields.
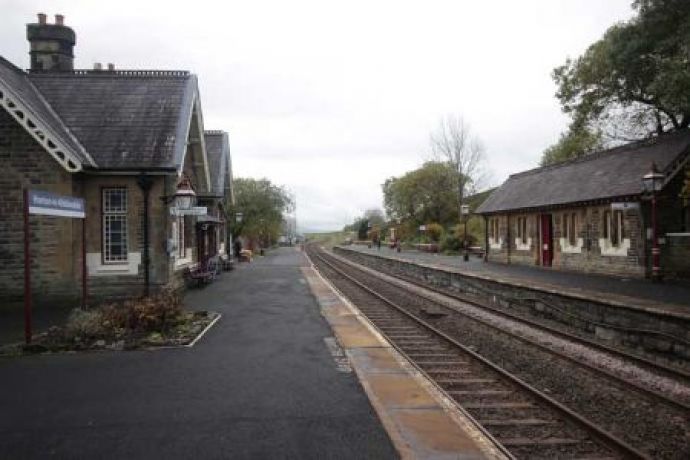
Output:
x=331 y=98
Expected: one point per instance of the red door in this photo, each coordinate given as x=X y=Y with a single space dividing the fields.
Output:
x=546 y=240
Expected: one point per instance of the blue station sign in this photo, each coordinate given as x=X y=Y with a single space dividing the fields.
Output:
x=51 y=204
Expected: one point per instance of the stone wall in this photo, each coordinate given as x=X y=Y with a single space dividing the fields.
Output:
x=647 y=332
x=56 y=261
x=111 y=281
x=585 y=253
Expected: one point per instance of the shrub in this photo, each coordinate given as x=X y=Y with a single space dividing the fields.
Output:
x=434 y=232
x=451 y=243
x=84 y=323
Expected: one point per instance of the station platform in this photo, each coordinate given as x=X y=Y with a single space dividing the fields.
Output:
x=670 y=298
x=289 y=371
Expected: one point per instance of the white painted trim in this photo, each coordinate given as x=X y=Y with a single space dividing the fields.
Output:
x=495 y=244
x=202 y=141
x=96 y=267
x=607 y=249
x=55 y=212
x=202 y=333
x=40 y=131
x=523 y=247
x=567 y=248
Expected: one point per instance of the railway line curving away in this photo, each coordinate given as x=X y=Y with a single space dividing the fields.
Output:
x=539 y=395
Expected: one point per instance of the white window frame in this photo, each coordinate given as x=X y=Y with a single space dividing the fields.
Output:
x=109 y=214
x=180 y=238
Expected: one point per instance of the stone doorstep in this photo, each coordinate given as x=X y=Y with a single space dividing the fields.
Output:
x=615 y=300
x=421 y=422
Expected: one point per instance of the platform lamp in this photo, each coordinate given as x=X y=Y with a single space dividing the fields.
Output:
x=465 y=212
x=652 y=182
x=184 y=196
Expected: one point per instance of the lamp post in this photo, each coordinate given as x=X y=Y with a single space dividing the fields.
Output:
x=465 y=211
x=185 y=195
x=652 y=182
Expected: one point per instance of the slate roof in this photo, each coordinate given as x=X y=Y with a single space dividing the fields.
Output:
x=613 y=173
x=124 y=119
x=17 y=82
x=218 y=153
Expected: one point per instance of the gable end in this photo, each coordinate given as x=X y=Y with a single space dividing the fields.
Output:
x=39 y=131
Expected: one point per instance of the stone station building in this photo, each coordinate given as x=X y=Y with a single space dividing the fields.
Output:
x=125 y=141
x=592 y=215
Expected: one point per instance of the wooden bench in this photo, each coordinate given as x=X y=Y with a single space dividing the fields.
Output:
x=203 y=273
x=426 y=247
x=477 y=251
x=245 y=255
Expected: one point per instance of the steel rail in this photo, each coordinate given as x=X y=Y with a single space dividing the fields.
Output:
x=671 y=371
x=599 y=433
x=606 y=373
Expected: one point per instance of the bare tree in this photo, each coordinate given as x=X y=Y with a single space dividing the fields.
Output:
x=453 y=143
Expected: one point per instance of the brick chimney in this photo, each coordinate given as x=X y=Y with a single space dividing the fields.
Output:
x=51 y=45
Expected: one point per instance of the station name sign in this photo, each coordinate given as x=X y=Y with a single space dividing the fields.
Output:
x=51 y=204
x=624 y=206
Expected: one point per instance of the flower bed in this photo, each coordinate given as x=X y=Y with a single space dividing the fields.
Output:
x=156 y=321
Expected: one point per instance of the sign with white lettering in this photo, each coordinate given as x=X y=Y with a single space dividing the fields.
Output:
x=624 y=206
x=51 y=204
x=194 y=211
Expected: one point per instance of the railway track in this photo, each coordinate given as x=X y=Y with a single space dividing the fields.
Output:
x=660 y=368
x=525 y=420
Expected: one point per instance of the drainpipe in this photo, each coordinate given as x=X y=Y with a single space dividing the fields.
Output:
x=145 y=182
x=508 y=235
x=486 y=238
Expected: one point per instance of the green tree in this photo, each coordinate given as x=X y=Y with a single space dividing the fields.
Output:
x=576 y=142
x=262 y=205
x=424 y=195
x=635 y=81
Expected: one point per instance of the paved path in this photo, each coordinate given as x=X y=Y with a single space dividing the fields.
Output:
x=668 y=293
x=260 y=384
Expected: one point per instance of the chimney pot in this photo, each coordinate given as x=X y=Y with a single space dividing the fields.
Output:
x=59 y=20
x=97 y=66
x=42 y=18
x=111 y=66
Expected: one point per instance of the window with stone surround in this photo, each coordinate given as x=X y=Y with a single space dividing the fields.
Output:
x=114 y=238
x=493 y=228
x=613 y=227
x=522 y=229
x=570 y=228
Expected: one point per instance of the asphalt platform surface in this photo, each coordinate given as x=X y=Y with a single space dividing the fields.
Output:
x=668 y=292
x=260 y=384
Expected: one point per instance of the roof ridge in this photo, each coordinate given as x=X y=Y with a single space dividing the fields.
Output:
x=11 y=65
x=634 y=145
x=110 y=73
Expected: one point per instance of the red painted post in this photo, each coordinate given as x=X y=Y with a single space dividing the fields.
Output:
x=655 y=242
x=27 y=271
x=84 y=292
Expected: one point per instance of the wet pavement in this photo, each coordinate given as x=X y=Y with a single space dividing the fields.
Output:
x=261 y=383
x=669 y=293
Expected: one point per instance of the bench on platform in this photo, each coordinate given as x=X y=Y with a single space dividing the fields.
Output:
x=426 y=247
x=245 y=255
x=203 y=273
x=477 y=251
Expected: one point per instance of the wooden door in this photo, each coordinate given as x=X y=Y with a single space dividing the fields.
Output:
x=546 y=240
